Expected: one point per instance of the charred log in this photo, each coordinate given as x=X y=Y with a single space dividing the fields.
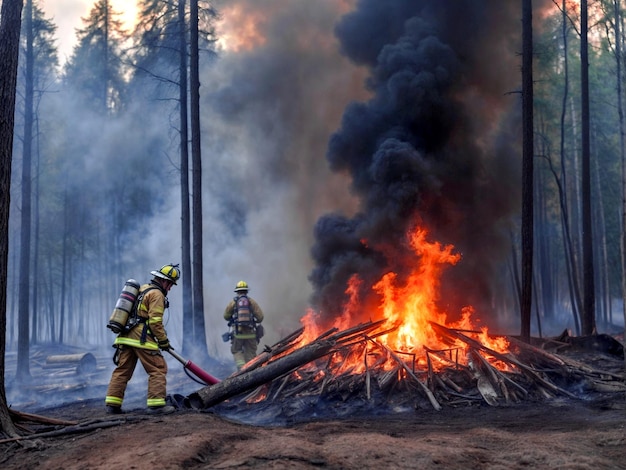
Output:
x=234 y=385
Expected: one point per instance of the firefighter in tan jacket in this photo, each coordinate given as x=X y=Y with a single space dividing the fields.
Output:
x=244 y=314
x=144 y=343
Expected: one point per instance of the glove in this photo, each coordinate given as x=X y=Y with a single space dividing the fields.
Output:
x=164 y=345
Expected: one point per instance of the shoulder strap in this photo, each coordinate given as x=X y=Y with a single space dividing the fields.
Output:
x=140 y=299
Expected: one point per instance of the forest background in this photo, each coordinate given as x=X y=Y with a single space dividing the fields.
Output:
x=103 y=181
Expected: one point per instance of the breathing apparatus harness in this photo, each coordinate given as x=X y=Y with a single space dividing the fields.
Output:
x=135 y=319
x=139 y=319
x=243 y=316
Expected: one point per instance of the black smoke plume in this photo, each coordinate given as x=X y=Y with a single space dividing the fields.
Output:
x=436 y=145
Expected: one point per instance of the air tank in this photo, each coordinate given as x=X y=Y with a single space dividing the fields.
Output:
x=123 y=306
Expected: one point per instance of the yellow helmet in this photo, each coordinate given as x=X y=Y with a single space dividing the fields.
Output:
x=241 y=286
x=169 y=272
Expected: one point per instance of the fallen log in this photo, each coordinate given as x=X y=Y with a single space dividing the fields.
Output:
x=529 y=348
x=83 y=363
x=270 y=352
x=235 y=385
x=254 y=375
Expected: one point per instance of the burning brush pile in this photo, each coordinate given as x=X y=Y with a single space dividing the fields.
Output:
x=413 y=358
x=352 y=372
x=433 y=149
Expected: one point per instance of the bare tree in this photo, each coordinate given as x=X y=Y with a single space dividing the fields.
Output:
x=588 y=314
x=10 y=24
x=199 y=337
x=188 y=326
x=23 y=349
x=568 y=245
x=163 y=50
x=622 y=147
x=527 y=169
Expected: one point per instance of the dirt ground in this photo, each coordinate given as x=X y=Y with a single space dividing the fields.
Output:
x=581 y=433
x=559 y=434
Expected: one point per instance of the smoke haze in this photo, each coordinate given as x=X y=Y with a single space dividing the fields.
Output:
x=270 y=101
x=324 y=124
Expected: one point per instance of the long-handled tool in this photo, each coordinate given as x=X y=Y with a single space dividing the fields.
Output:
x=204 y=376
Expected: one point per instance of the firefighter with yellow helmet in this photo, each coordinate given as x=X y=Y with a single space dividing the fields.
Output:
x=144 y=342
x=244 y=315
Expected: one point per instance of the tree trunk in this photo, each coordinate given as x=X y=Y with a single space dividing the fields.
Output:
x=601 y=253
x=588 y=314
x=105 y=59
x=34 y=338
x=199 y=337
x=184 y=184
x=543 y=232
x=527 y=170
x=64 y=256
x=622 y=148
x=10 y=23
x=23 y=349
x=568 y=246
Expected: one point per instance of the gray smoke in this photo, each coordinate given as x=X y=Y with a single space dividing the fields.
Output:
x=268 y=110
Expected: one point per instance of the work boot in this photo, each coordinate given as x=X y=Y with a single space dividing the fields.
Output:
x=161 y=410
x=114 y=410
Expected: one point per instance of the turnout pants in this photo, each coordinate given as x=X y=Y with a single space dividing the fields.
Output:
x=243 y=350
x=155 y=366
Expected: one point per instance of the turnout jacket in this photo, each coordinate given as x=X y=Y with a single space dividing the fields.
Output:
x=150 y=310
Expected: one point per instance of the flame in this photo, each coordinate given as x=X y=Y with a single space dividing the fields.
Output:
x=413 y=306
x=410 y=308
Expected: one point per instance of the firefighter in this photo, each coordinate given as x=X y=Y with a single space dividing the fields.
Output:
x=244 y=315
x=144 y=342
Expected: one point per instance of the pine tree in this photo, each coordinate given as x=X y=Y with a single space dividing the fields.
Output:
x=95 y=70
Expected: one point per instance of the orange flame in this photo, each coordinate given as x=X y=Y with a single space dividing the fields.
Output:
x=411 y=308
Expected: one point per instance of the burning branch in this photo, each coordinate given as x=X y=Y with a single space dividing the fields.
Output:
x=401 y=363
x=239 y=383
x=359 y=362
x=276 y=365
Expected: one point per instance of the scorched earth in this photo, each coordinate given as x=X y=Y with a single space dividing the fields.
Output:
x=560 y=434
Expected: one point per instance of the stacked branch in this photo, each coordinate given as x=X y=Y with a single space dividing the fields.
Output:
x=340 y=365
x=276 y=363
x=528 y=371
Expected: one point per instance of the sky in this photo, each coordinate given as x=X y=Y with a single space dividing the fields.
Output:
x=67 y=14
